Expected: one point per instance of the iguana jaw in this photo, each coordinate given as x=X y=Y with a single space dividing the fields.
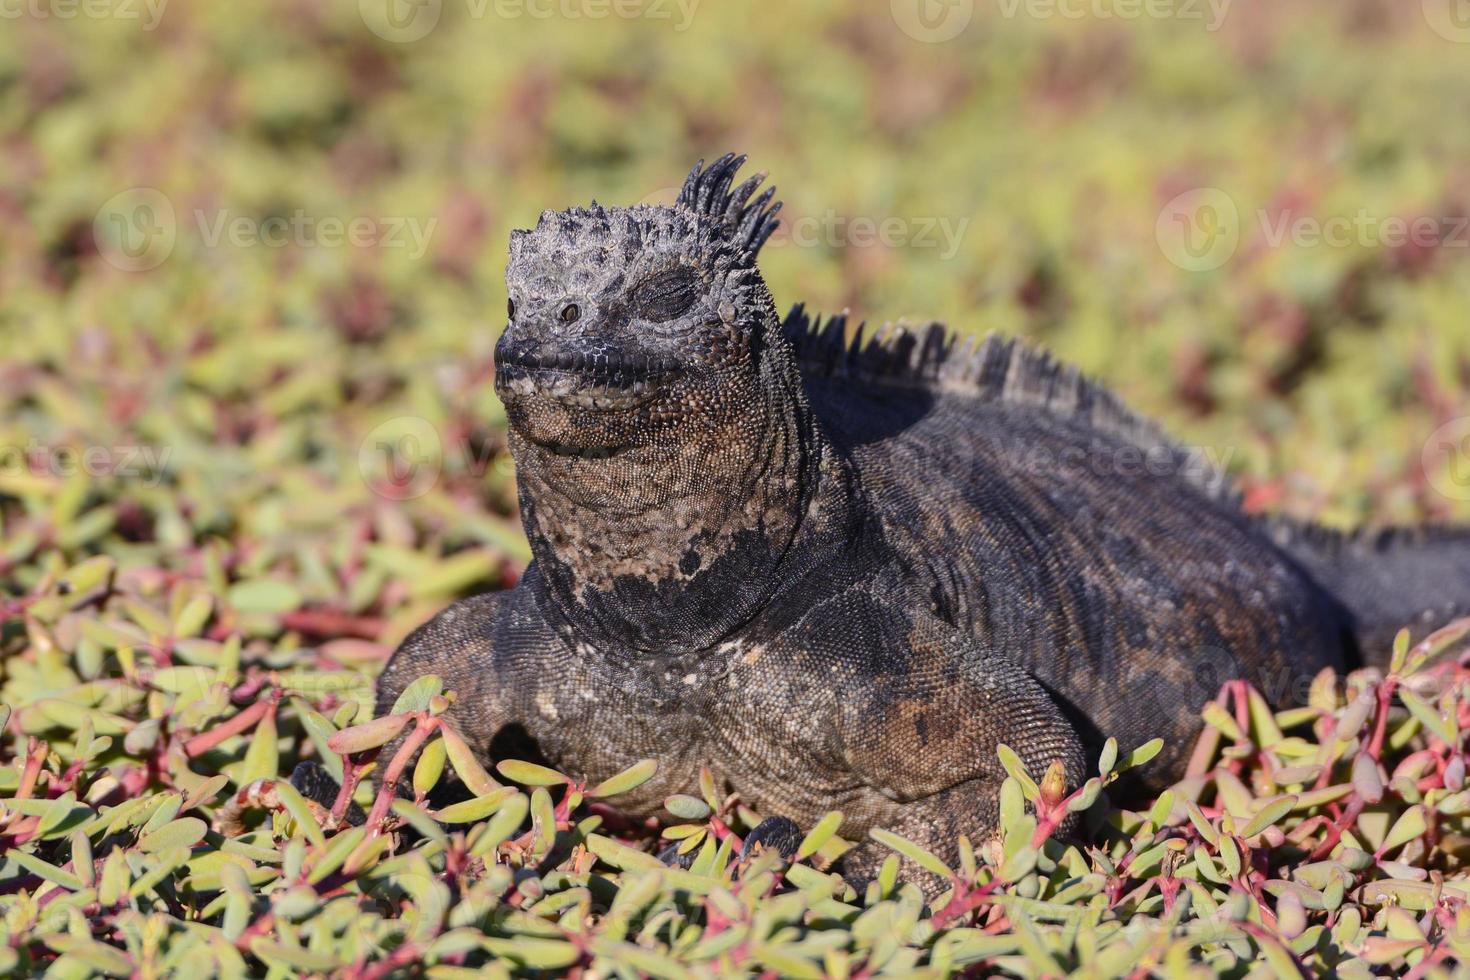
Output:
x=585 y=380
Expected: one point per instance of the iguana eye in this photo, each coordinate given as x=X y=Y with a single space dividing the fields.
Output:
x=570 y=313
x=510 y=307
x=664 y=295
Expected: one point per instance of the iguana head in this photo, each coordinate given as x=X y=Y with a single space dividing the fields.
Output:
x=624 y=321
x=664 y=449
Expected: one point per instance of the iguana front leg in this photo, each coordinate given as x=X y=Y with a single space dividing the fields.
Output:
x=918 y=724
x=458 y=645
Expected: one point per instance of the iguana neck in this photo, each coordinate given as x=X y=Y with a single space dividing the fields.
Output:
x=670 y=548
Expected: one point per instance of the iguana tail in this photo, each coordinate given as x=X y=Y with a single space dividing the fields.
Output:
x=1385 y=580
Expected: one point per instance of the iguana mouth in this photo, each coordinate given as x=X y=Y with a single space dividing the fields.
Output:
x=592 y=380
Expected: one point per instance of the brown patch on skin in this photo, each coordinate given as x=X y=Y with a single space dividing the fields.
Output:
x=908 y=725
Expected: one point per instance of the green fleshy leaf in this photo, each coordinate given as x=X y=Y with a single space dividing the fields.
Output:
x=1017 y=771
x=912 y=851
x=529 y=773
x=477 y=809
x=269 y=596
x=416 y=696
x=824 y=831
x=182 y=833
x=629 y=779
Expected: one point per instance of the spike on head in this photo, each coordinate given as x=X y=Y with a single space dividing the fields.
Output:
x=747 y=223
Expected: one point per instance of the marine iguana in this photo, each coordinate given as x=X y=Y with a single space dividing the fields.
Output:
x=839 y=572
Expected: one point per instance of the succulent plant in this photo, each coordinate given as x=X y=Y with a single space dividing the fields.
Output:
x=148 y=827
x=232 y=481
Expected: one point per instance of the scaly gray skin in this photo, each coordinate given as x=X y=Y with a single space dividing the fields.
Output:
x=839 y=575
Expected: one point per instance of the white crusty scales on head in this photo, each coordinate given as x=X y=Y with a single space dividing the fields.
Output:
x=840 y=573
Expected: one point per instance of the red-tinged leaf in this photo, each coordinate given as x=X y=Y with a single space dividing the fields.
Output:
x=369 y=735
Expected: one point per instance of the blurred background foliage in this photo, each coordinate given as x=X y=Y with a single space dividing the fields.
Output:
x=265 y=378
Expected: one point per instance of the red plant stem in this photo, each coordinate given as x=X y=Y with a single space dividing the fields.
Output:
x=416 y=738
x=1242 y=704
x=245 y=720
x=400 y=957
x=350 y=776
x=35 y=758
x=1380 y=728
x=259 y=927
x=250 y=688
x=70 y=776
x=1435 y=956
x=964 y=902
x=1334 y=832
x=1048 y=822
x=563 y=812
x=722 y=831
x=24 y=830
x=14 y=608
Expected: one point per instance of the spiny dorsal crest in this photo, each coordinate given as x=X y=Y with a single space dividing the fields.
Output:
x=746 y=222
x=1001 y=369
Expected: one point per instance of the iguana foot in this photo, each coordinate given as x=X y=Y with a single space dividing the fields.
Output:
x=670 y=856
x=312 y=781
x=779 y=833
